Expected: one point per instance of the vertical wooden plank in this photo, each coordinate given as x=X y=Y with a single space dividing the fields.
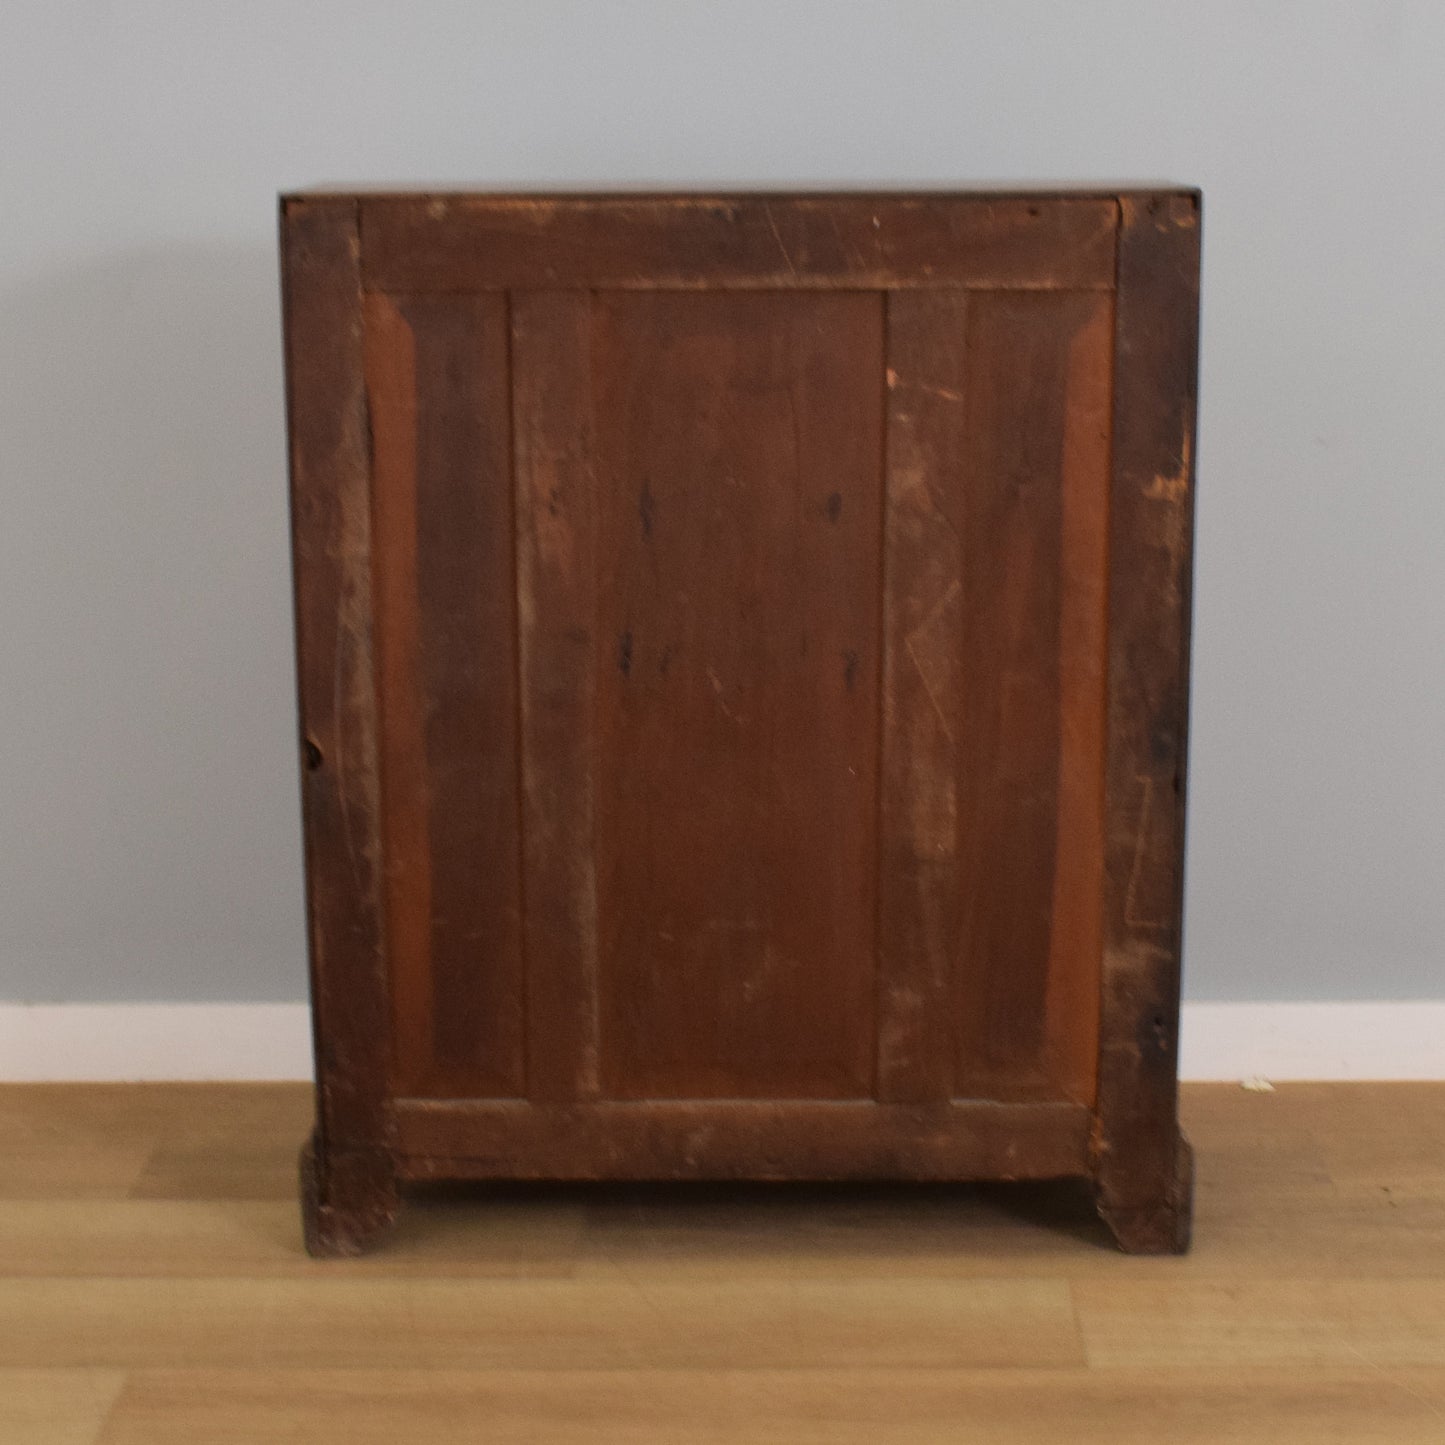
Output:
x=922 y=693
x=466 y=598
x=1030 y=763
x=390 y=360
x=1009 y=725
x=331 y=541
x=739 y=446
x=994 y=704
x=1142 y=1167
x=556 y=585
x=1071 y=1021
x=437 y=375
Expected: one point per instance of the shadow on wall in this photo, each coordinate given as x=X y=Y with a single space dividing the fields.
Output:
x=150 y=841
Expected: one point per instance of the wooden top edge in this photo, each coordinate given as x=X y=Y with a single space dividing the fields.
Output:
x=624 y=196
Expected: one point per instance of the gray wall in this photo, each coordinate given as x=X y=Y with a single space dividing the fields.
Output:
x=148 y=830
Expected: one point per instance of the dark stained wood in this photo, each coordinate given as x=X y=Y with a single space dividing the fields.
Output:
x=350 y=1190
x=742 y=1139
x=557 y=584
x=1071 y=1015
x=458 y=243
x=736 y=744
x=1009 y=502
x=922 y=695
x=349 y=1197
x=1018 y=722
x=439 y=390
x=994 y=711
x=1143 y=1166
x=772 y=762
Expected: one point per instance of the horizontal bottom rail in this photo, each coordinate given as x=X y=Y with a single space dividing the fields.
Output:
x=740 y=1139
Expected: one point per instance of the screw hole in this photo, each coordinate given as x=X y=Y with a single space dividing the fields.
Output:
x=312 y=755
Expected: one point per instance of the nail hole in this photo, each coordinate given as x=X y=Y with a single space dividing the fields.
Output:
x=312 y=754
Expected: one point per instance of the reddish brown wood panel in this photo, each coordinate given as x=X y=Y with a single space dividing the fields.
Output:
x=332 y=542
x=460 y=242
x=1143 y=1168
x=1031 y=832
x=994 y=711
x=439 y=389
x=743 y=662
x=1071 y=1015
x=741 y=1139
x=922 y=695
x=738 y=492
x=557 y=577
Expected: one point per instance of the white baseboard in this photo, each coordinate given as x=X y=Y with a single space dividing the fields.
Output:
x=105 y=1042
x=1357 y=1040
x=100 y=1042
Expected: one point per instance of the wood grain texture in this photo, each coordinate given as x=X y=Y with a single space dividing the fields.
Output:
x=923 y=683
x=741 y=1139
x=439 y=389
x=1264 y=1322
x=539 y=1324
x=994 y=710
x=1309 y=1310
x=331 y=519
x=499 y=242
x=557 y=578
x=737 y=616
x=332 y=554
x=779 y=614
x=1351 y=1405
x=56 y=1407
x=194 y=1237
x=1030 y=723
x=1143 y=1165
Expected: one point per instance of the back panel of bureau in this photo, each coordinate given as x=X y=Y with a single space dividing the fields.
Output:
x=743 y=659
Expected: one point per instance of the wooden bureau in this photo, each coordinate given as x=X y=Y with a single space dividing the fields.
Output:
x=743 y=658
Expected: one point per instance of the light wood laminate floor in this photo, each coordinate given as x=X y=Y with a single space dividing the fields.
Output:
x=153 y=1289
